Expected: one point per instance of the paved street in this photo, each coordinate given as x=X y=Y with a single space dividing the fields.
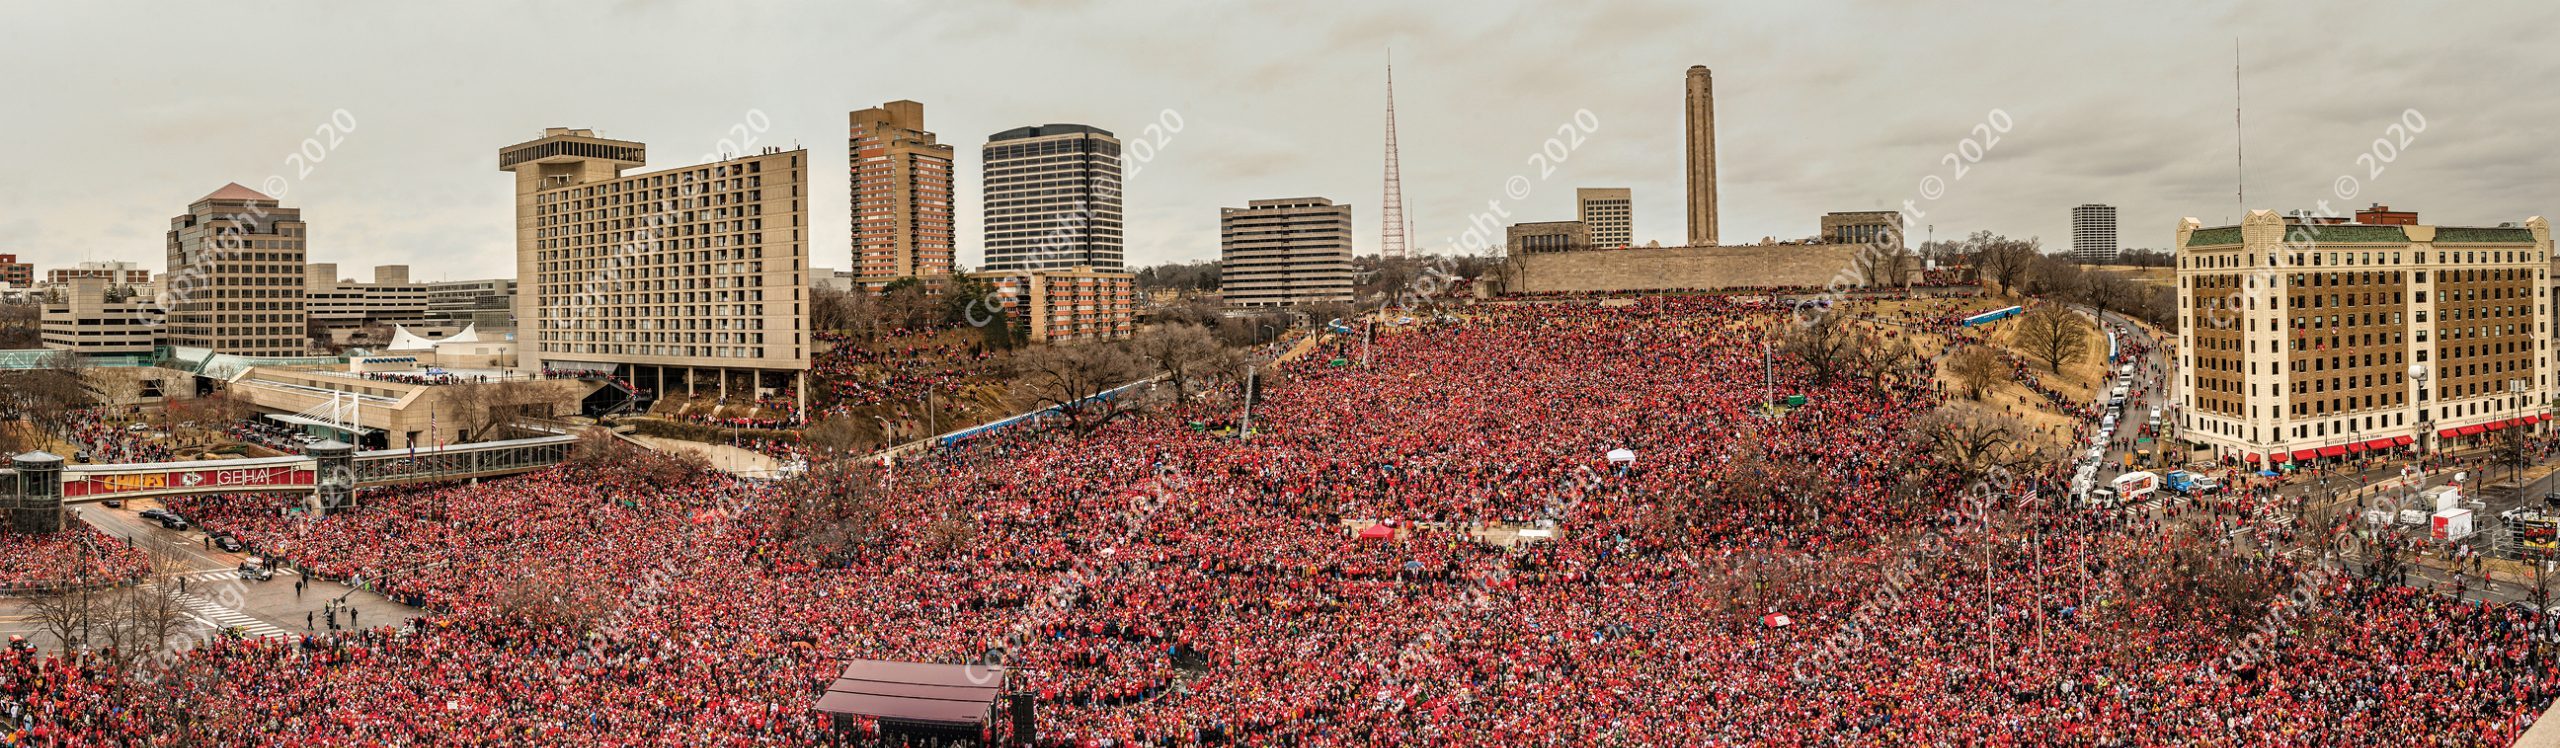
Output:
x=214 y=594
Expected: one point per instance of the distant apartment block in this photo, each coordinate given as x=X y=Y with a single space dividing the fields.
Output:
x=96 y=317
x=689 y=280
x=119 y=272
x=1285 y=252
x=1052 y=198
x=339 y=306
x=15 y=273
x=489 y=304
x=235 y=275
x=1610 y=213
x=2093 y=234
x=1068 y=304
x=901 y=177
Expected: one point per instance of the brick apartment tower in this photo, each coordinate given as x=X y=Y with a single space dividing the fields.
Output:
x=901 y=195
x=1702 y=157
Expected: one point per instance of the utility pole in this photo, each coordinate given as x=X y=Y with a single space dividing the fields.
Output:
x=1251 y=375
x=1368 y=332
x=1768 y=379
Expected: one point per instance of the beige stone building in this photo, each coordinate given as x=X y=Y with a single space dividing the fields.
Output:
x=388 y=412
x=1863 y=227
x=1285 y=252
x=901 y=177
x=2306 y=340
x=1686 y=269
x=93 y=316
x=1546 y=237
x=1610 y=212
x=235 y=275
x=1068 y=304
x=344 y=311
x=118 y=272
x=685 y=280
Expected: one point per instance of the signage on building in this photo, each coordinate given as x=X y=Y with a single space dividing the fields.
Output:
x=208 y=479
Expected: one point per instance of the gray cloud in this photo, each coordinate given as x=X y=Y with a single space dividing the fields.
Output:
x=1822 y=106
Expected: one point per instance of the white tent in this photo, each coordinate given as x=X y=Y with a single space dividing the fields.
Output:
x=1621 y=454
x=404 y=340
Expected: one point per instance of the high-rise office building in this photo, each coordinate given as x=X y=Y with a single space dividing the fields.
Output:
x=688 y=280
x=235 y=275
x=901 y=195
x=1702 y=157
x=1610 y=212
x=1284 y=252
x=96 y=316
x=2306 y=341
x=1052 y=198
x=341 y=307
x=2093 y=234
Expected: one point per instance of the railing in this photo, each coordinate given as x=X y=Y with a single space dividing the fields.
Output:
x=450 y=462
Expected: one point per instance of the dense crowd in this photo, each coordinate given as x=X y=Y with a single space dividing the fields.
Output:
x=1755 y=576
x=78 y=555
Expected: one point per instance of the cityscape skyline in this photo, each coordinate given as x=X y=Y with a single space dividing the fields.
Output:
x=1274 y=104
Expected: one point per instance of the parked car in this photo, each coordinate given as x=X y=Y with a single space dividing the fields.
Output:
x=171 y=521
x=227 y=543
x=113 y=503
x=154 y=514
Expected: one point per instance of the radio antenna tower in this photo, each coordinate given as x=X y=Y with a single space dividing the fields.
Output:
x=2239 y=135
x=1391 y=217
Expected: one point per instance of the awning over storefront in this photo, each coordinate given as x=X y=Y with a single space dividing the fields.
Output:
x=2305 y=454
x=2333 y=451
x=2255 y=457
x=2471 y=429
x=2449 y=433
x=2404 y=441
x=2380 y=444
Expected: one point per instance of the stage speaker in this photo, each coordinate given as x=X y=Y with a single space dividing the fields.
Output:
x=1023 y=732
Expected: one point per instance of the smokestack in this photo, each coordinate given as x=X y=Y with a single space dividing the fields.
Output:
x=1702 y=157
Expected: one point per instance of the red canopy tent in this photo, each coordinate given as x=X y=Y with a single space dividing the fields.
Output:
x=1378 y=532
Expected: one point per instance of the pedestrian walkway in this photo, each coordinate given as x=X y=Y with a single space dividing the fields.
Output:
x=225 y=618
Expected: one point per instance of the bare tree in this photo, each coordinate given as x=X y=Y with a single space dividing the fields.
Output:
x=21 y=324
x=1888 y=267
x=833 y=509
x=2054 y=334
x=1827 y=345
x=1977 y=441
x=2108 y=291
x=2002 y=260
x=1977 y=368
x=1073 y=377
x=141 y=619
x=1183 y=353
x=841 y=435
x=479 y=411
x=837 y=310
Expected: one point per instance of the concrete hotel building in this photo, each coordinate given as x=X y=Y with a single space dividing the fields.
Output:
x=487 y=304
x=235 y=275
x=901 y=195
x=339 y=307
x=2304 y=341
x=687 y=280
x=1610 y=212
x=1052 y=198
x=2093 y=234
x=1285 y=252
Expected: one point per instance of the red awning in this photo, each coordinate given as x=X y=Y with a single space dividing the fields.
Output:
x=2305 y=454
x=2470 y=430
x=2332 y=451
x=2404 y=441
x=2255 y=457
x=2449 y=433
x=1377 y=532
x=2379 y=444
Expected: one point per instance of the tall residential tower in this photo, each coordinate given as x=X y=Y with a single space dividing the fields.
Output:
x=1285 y=252
x=2093 y=234
x=901 y=203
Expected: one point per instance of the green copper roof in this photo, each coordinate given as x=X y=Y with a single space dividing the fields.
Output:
x=2213 y=236
x=2348 y=233
x=2501 y=235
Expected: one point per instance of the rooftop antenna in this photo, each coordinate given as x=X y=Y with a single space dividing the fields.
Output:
x=2239 y=135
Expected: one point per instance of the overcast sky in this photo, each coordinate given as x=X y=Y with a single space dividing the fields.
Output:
x=123 y=113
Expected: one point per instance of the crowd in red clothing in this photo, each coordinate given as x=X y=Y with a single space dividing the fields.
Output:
x=78 y=555
x=1159 y=585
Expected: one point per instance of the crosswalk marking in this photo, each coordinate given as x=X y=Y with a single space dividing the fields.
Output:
x=219 y=617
